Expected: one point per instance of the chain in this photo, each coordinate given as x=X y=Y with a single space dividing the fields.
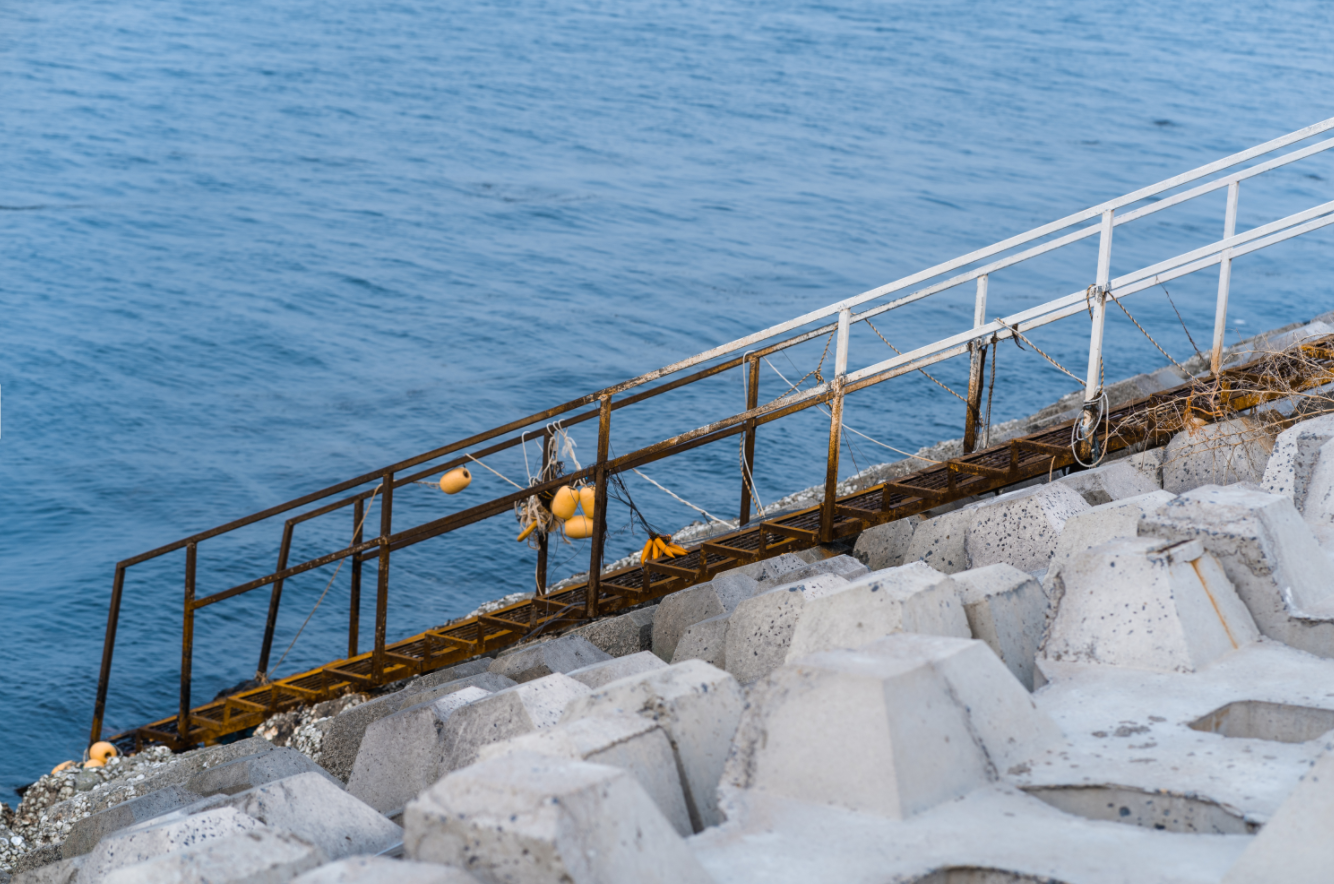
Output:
x=922 y=370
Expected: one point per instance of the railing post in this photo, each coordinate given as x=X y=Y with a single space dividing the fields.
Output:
x=835 y=427
x=354 y=600
x=748 y=443
x=976 y=363
x=187 y=647
x=275 y=598
x=542 y=539
x=108 y=648
x=599 y=510
x=1224 y=277
x=382 y=572
x=1089 y=447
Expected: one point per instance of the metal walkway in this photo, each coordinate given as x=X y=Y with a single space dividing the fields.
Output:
x=1098 y=429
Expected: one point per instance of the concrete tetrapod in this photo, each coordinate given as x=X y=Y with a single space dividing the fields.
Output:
x=311 y=807
x=885 y=546
x=1268 y=553
x=260 y=856
x=1294 y=846
x=1102 y=523
x=1223 y=453
x=620 y=636
x=528 y=707
x=403 y=753
x=901 y=725
x=757 y=634
x=1293 y=461
x=149 y=840
x=564 y=654
x=1144 y=603
x=533 y=819
x=598 y=674
x=705 y=640
x=1317 y=507
x=382 y=870
x=911 y=598
x=1006 y=609
x=631 y=742
x=1021 y=528
x=939 y=541
x=697 y=706
x=1117 y=480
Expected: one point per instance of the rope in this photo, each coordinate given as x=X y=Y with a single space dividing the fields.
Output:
x=355 y=532
x=746 y=474
x=698 y=509
x=814 y=371
x=921 y=370
x=1014 y=329
x=503 y=476
x=1193 y=345
x=991 y=389
x=1150 y=337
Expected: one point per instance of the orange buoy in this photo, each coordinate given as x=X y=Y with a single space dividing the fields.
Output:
x=586 y=496
x=455 y=480
x=102 y=751
x=91 y=763
x=564 y=504
x=64 y=765
x=579 y=527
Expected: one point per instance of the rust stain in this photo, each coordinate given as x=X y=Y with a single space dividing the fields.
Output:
x=1214 y=602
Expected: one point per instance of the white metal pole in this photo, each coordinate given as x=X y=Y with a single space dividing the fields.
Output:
x=841 y=354
x=980 y=305
x=1098 y=303
x=1224 y=277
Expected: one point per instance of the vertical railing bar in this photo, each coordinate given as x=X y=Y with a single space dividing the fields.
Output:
x=354 y=597
x=835 y=427
x=1224 y=278
x=187 y=646
x=275 y=598
x=976 y=364
x=382 y=573
x=748 y=443
x=1098 y=309
x=542 y=539
x=108 y=648
x=599 y=511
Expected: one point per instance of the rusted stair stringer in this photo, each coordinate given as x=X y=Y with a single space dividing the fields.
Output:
x=978 y=473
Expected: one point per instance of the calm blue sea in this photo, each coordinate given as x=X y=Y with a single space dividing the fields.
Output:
x=249 y=249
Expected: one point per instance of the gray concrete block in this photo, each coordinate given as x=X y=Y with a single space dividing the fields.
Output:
x=532 y=819
x=1007 y=610
x=939 y=541
x=1143 y=603
x=318 y=811
x=910 y=598
x=1294 y=847
x=147 y=841
x=344 y=732
x=446 y=676
x=564 y=654
x=1149 y=464
x=245 y=773
x=760 y=630
x=1224 y=453
x=527 y=707
x=705 y=640
x=631 y=742
x=598 y=674
x=624 y=635
x=884 y=546
x=1021 y=528
x=87 y=832
x=262 y=856
x=382 y=870
x=698 y=707
x=1293 y=461
x=1317 y=507
x=1117 y=480
x=679 y=611
x=1267 y=552
x=401 y=754
x=1102 y=523
x=843 y=566
x=181 y=769
x=62 y=871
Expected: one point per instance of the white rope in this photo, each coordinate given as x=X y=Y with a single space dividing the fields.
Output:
x=698 y=509
x=502 y=475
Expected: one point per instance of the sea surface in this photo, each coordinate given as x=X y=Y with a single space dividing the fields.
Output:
x=250 y=249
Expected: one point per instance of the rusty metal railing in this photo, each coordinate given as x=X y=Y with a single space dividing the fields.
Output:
x=821 y=524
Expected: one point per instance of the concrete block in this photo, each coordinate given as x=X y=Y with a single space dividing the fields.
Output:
x=705 y=640
x=62 y=871
x=1007 y=610
x=1267 y=552
x=382 y=870
x=319 y=812
x=85 y=833
x=940 y=541
x=1317 y=506
x=261 y=856
x=1294 y=846
x=769 y=569
x=843 y=566
x=1224 y=453
x=697 y=706
x=145 y=842
x=448 y=675
x=1102 y=523
x=620 y=636
x=1293 y=461
x=563 y=654
x=1111 y=481
x=1021 y=528
x=401 y=754
x=598 y=674
x=344 y=732
x=633 y=743
x=760 y=631
x=885 y=546
x=911 y=598
x=527 y=707
x=678 y=612
x=892 y=729
x=532 y=819
x=1149 y=464
x=1144 y=604
x=181 y=769
x=253 y=770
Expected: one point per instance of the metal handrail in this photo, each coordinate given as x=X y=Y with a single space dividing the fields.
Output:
x=974 y=341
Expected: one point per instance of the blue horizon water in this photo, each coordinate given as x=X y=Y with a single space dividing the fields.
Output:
x=250 y=250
